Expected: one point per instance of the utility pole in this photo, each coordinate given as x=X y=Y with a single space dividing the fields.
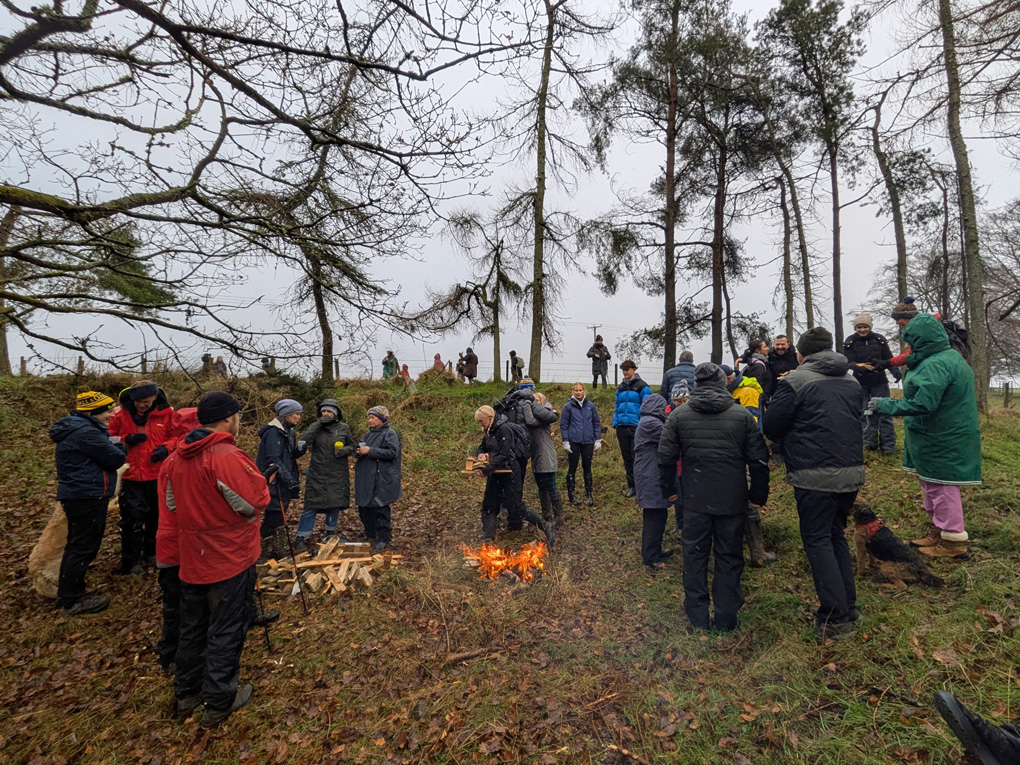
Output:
x=594 y=330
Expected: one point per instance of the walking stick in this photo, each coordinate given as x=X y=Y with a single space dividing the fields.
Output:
x=262 y=608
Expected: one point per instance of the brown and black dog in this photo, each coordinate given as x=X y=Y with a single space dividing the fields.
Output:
x=893 y=561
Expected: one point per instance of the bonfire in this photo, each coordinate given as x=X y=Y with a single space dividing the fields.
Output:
x=493 y=561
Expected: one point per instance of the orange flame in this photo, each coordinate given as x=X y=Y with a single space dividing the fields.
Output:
x=492 y=561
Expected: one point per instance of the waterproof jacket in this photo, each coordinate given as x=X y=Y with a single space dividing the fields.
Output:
x=600 y=365
x=217 y=495
x=87 y=460
x=816 y=412
x=870 y=349
x=942 y=441
x=646 y=453
x=278 y=446
x=498 y=443
x=377 y=474
x=328 y=482
x=682 y=371
x=470 y=364
x=629 y=395
x=539 y=419
x=185 y=420
x=719 y=444
x=156 y=424
x=747 y=392
x=579 y=422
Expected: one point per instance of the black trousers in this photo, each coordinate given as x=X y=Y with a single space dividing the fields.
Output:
x=595 y=381
x=582 y=452
x=170 y=586
x=214 y=620
x=273 y=516
x=823 y=517
x=723 y=535
x=506 y=490
x=376 y=520
x=625 y=437
x=86 y=522
x=139 y=517
x=652 y=528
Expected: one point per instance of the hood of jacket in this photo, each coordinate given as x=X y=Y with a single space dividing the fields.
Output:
x=200 y=439
x=161 y=402
x=578 y=403
x=65 y=426
x=760 y=357
x=273 y=423
x=926 y=336
x=331 y=402
x=738 y=379
x=828 y=363
x=654 y=406
x=711 y=399
x=747 y=382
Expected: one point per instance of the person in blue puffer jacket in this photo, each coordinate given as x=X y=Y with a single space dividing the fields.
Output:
x=629 y=396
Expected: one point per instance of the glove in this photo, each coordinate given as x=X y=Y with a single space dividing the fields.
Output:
x=122 y=446
x=486 y=470
x=160 y=453
x=269 y=472
x=566 y=447
x=136 y=438
x=872 y=406
x=598 y=444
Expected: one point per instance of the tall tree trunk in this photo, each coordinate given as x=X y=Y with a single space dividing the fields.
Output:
x=6 y=226
x=538 y=261
x=669 y=325
x=972 y=267
x=894 y=201
x=719 y=223
x=945 y=254
x=787 y=265
x=497 y=365
x=323 y=318
x=729 y=316
x=837 y=278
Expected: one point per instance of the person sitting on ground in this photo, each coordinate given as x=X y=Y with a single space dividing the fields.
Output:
x=651 y=497
x=277 y=458
x=220 y=367
x=377 y=481
x=328 y=483
x=437 y=363
x=682 y=372
x=87 y=463
x=582 y=437
x=869 y=354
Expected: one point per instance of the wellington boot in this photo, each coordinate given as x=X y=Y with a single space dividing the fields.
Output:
x=929 y=538
x=572 y=497
x=591 y=499
x=545 y=500
x=489 y=525
x=557 y=504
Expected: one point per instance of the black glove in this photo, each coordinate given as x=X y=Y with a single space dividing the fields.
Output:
x=486 y=470
x=881 y=364
x=270 y=471
x=160 y=453
x=136 y=438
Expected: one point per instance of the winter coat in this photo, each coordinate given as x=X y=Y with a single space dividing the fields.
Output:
x=600 y=365
x=629 y=395
x=682 y=371
x=156 y=424
x=579 y=422
x=217 y=496
x=757 y=368
x=942 y=441
x=278 y=446
x=377 y=474
x=389 y=366
x=718 y=443
x=780 y=364
x=87 y=460
x=539 y=419
x=748 y=393
x=816 y=412
x=185 y=420
x=498 y=443
x=870 y=349
x=328 y=482
x=646 y=453
x=471 y=364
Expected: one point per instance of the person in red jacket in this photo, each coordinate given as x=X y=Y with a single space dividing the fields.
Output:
x=216 y=494
x=144 y=423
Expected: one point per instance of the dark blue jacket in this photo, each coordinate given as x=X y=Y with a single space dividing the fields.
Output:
x=87 y=461
x=629 y=396
x=377 y=474
x=682 y=371
x=579 y=422
x=646 y=454
x=278 y=446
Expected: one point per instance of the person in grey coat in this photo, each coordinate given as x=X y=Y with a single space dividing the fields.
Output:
x=654 y=503
x=539 y=415
x=328 y=482
x=377 y=482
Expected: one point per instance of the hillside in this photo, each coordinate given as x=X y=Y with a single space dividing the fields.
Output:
x=592 y=663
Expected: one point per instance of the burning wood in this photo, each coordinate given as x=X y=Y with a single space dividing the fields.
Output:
x=336 y=567
x=491 y=561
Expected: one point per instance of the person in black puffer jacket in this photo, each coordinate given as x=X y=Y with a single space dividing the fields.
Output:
x=277 y=458
x=816 y=413
x=869 y=354
x=718 y=442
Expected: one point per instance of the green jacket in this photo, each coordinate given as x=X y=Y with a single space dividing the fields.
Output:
x=939 y=407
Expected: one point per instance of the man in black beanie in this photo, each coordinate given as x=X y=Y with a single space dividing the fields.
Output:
x=816 y=413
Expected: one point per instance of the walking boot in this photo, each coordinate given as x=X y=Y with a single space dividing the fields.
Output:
x=550 y=533
x=301 y=544
x=949 y=545
x=266 y=551
x=754 y=537
x=546 y=502
x=557 y=503
x=929 y=538
x=213 y=717
x=591 y=499
x=265 y=618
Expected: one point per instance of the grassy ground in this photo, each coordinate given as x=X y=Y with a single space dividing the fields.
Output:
x=591 y=663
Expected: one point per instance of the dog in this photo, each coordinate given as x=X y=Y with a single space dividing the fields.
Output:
x=894 y=561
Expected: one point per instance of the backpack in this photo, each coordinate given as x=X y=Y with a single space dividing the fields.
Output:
x=959 y=338
x=511 y=407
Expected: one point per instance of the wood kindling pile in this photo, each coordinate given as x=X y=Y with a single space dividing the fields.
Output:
x=336 y=567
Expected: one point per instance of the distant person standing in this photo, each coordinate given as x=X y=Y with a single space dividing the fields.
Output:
x=682 y=372
x=220 y=367
x=390 y=365
x=600 y=356
x=869 y=355
x=470 y=366
x=437 y=363
x=516 y=367
x=582 y=435
x=816 y=413
x=782 y=359
x=87 y=463
x=630 y=394
x=377 y=481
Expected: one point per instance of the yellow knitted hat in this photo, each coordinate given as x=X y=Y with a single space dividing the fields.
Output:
x=93 y=402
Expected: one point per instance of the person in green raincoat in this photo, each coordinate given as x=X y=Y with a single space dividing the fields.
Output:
x=943 y=438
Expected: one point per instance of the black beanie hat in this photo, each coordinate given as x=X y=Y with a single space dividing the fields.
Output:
x=709 y=374
x=216 y=406
x=815 y=340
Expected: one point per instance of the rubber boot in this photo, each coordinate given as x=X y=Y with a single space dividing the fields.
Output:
x=591 y=498
x=557 y=504
x=547 y=526
x=754 y=537
x=546 y=501
x=489 y=525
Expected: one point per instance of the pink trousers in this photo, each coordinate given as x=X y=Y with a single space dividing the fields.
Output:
x=944 y=505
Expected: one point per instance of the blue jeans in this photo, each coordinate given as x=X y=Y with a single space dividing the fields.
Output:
x=307 y=520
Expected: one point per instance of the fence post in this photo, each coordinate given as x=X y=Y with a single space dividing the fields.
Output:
x=336 y=369
x=24 y=367
x=507 y=376
x=1007 y=394
x=616 y=374
x=145 y=365
x=81 y=366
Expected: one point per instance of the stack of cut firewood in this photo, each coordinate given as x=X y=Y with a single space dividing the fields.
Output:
x=336 y=567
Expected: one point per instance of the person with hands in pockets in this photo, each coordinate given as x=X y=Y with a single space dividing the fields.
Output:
x=377 y=481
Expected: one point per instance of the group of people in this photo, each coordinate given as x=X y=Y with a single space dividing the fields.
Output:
x=203 y=512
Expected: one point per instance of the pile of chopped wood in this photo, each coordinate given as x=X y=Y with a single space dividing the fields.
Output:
x=336 y=567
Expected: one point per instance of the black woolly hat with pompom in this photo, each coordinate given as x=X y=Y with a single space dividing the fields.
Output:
x=905 y=310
